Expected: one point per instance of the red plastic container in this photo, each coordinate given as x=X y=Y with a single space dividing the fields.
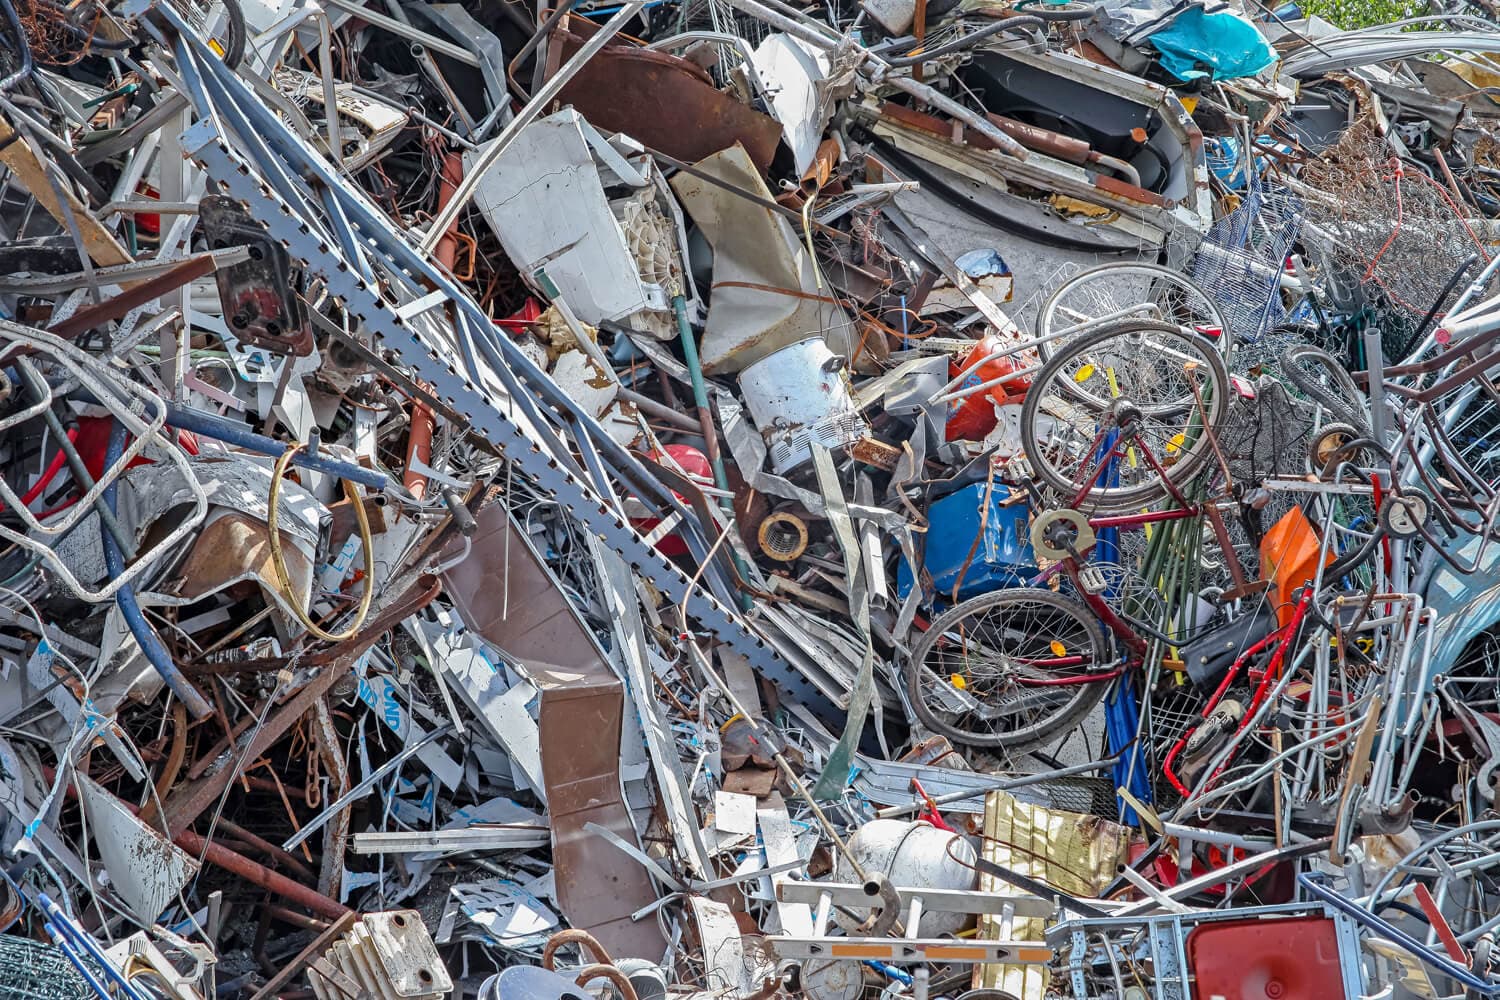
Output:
x=695 y=464
x=971 y=418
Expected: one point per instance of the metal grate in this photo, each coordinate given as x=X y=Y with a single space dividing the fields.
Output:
x=1093 y=796
x=1174 y=709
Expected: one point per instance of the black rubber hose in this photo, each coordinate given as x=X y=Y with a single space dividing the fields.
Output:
x=22 y=46
x=1442 y=297
x=1072 y=12
x=1357 y=556
x=234 y=49
x=970 y=40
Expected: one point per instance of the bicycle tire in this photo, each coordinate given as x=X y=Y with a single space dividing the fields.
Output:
x=1188 y=461
x=1077 y=700
x=1362 y=553
x=1344 y=410
x=1047 y=317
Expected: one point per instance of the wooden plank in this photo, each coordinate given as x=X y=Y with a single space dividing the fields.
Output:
x=18 y=156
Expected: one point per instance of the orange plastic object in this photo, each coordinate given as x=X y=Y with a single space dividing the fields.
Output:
x=971 y=418
x=1289 y=559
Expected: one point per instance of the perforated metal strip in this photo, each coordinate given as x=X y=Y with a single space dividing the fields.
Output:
x=363 y=302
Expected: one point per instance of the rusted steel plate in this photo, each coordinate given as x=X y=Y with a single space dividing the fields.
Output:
x=666 y=103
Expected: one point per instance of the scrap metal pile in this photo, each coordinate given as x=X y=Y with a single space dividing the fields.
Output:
x=736 y=499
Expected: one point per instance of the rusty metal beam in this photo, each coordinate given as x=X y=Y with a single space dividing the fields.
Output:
x=84 y=320
x=259 y=874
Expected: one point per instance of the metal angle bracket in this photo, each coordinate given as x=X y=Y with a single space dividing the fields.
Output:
x=206 y=146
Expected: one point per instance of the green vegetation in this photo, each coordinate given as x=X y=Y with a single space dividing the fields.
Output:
x=1350 y=14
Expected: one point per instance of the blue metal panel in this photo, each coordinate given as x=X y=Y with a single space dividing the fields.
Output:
x=1003 y=557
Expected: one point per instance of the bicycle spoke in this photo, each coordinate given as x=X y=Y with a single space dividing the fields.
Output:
x=1005 y=664
x=1115 y=420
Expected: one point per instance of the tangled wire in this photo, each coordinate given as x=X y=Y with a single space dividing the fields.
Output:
x=1385 y=220
x=59 y=35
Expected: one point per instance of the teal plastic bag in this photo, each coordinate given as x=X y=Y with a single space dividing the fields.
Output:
x=1226 y=43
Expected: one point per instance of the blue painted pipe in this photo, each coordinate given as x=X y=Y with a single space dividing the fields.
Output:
x=210 y=425
x=231 y=432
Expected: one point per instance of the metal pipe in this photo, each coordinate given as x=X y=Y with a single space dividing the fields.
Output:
x=406 y=31
x=430 y=67
x=700 y=398
x=418 y=449
x=1405 y=941
x=660 y=410
x=211 y=425
x=974 y=390
x=330 y=94
x=881 y=74
x=151 y=645
x=75 y=462
x=260 y=875
x=449 y=179
x=269 y=849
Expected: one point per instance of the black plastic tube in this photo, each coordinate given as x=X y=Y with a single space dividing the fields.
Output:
x=970 y=40
x=22 y=46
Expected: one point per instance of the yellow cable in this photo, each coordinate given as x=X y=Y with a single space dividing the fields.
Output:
x=278 y=562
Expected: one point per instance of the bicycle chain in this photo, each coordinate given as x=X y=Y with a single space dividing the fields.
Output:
x=365 y=304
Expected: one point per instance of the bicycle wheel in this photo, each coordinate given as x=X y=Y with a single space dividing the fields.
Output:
x=1008 y=669
x=1109 y=290
x=1320 y=377
x=1147 y=372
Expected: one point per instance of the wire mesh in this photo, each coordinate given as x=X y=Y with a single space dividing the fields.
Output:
x=1383 y=220
x=1174 y=709
x=1093 y=796
x=30 y=970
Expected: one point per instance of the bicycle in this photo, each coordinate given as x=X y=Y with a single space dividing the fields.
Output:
x=1123 y=289
x=1009 y=668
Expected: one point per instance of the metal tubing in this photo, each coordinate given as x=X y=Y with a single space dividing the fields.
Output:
x=1442 y=963
x=975 y=390
x=151 y=645
x=25 y=68
x=75 y=461
x=330 y=95
x=406 y=31
x=700 y=397
x=260 y=875
x=970 y=40
x=881 y=74
x=659 y=410
x=211 y=425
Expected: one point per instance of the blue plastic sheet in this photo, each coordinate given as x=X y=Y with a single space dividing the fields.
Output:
x=1222 y=46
